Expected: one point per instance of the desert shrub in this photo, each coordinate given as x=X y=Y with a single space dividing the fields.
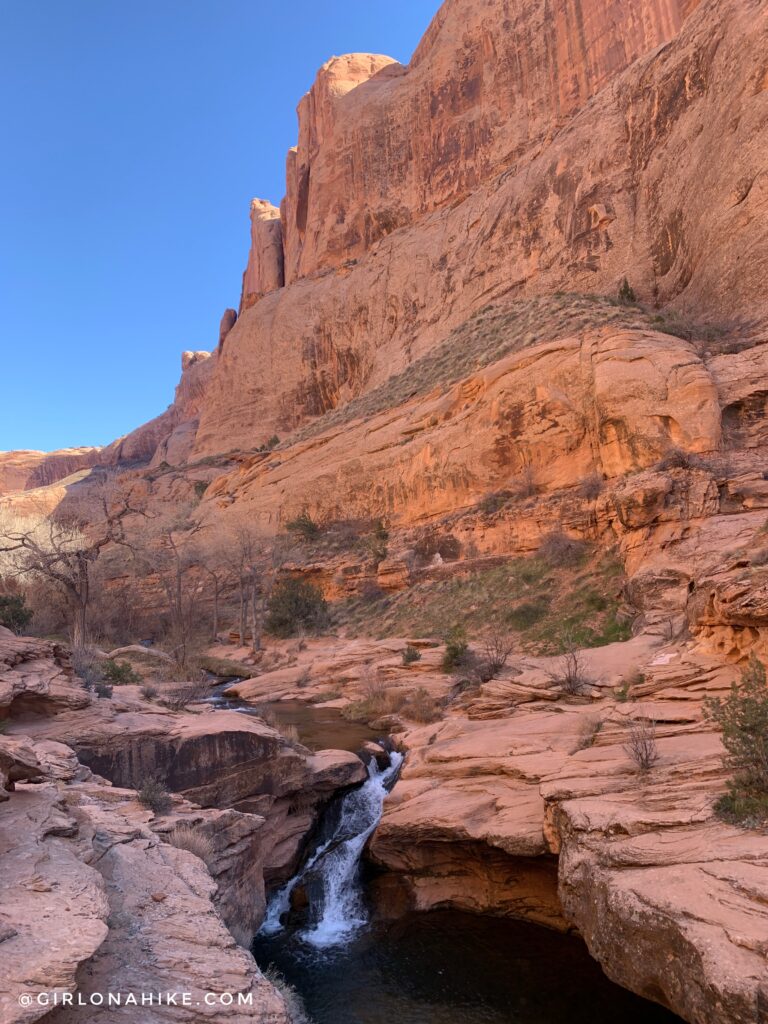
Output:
x=456 y=649
x=497 y=647
x=760 y=557
x=304 y=526
x=295 y=604
x=194 y=840
x=591 y=486
x=119 y=673
x=571 y=674
x=178 y=698
x=526 y=484
x=676 y=458
x=528 y=613
x=102 y=690
x=626 y=294
x=375 y=542
x=153 y=793
x=410 y=655
x=370 y=592
x=149 y=692
x=743 y=721
x=622 y=692
x=270 y=444
x=14 y=613
x=641 y=745
x=557 y=548
x=421 y=707
x=200 y=488
x=433 y=543
x=493 y=502
x=293 y=1001
x=590 y=729
x=88 y=666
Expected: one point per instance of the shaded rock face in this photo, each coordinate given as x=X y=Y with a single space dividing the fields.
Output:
x=36 y=678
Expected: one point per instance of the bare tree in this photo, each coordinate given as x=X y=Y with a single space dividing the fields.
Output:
x=497 y=648
x=62 y=547
x=255 y=561
x=571 y=675
x=167 y=550
x=641 y=746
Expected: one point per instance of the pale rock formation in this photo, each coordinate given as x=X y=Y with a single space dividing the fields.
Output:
x=264 y=271
x=26 y=470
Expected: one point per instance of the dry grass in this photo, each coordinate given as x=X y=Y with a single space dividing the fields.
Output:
x=293 y=1002
x=487 y=336
x=192 y=839
x=181 y=696
x=287 y=730
x=641 y=746
x=590 y=729
x=421 y=707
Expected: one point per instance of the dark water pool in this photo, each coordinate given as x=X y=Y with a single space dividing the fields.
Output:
x=319 y=728
x=446 y=967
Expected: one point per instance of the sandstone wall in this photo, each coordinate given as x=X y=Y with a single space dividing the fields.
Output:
x=597 y=169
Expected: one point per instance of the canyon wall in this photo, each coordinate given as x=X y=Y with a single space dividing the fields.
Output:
x=631 y=146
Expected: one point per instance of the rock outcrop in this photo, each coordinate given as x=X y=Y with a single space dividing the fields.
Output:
x=27 y=470
x=94 y=902
x=574 y=186
x=36 y=677
x=264 y=272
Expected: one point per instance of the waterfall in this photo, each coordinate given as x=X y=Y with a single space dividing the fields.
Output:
x=334 y=867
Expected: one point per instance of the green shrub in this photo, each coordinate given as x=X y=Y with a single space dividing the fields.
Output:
x=410 y=655
x=626 y=294
x=14 y=613
x=295 y=604
x=456 y=648
x=743 y=720
x=119 y=673
x=303 y=526
x=153 y=793
x=528 y=613
x=102 y=689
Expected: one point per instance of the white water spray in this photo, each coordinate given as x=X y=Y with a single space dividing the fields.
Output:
x=336 y=865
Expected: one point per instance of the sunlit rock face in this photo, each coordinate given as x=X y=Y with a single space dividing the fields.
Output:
x=525 y=150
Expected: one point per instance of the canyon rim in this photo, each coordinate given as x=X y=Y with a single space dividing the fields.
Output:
x=458 y=535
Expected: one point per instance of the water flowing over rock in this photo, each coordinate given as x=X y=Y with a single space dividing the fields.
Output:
x=334 y=866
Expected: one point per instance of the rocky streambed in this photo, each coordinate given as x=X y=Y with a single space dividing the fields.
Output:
x=506 y=806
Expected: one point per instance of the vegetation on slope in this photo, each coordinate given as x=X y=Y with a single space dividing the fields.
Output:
x=549 y=608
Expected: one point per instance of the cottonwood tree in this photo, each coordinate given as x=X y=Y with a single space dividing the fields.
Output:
x=62 y=547
x=255 y=561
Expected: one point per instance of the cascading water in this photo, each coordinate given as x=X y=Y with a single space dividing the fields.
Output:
x=334 y=867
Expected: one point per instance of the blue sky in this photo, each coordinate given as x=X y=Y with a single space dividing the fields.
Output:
x=134 y=137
